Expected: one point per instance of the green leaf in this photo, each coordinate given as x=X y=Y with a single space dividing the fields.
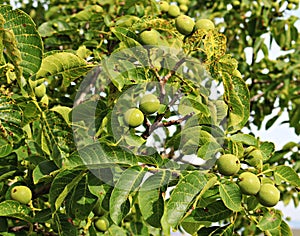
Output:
x=221 y=109
x=31 y=112
x=82 y=201
x=283 y=230
x=121 y=67
x=10 y=208
x=8 y=172
x=214 y=45
x=66 y=65
x=237 y=98
x=53 y=27
x=126 y=36
x=5 y=147
x=62 y=185
x=227 y=230
x=191 y=226
x=287 y=174
x=236 y=148
x=267 y=149
x=151 y=202
x=10 y=160
x=28 y=41
x=191 y=104
x=56 y=136
x=213 y=212
x=245 y=139
x=11 y=131
x=182 y=196
x=139 y=229
x=42 y=172
x=208 y=150
x=231 y=195
x=116 y=230
x=270 y=220
x=134 y=140
x=65 y=227
x=43 y=216
x=98 y=154
x=193 y=137
x=63 y=111
x=128 y=182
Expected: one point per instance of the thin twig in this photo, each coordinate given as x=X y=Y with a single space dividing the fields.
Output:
x=88 y=88
x=165 y=79
x=175 y=122
x=257 y=96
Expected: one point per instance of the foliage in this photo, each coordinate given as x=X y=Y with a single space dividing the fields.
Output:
x=73 y=149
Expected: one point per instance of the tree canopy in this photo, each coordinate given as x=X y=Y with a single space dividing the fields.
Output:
x=93 y=153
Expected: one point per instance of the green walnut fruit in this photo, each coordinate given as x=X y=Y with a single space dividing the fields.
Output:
x=184 y=24
x=249 y=183
x=183 y=8
x=228 y=164
x=236 y=4
x=173 y=11
x=149 y=37
x=40 y=90
x=290 y=6
x=164 y=6
x=183 y=2
x=21 y=194
x=149 y=104
x=102 y=223
x=204 y=24
x=134 y=117
x=268 y=195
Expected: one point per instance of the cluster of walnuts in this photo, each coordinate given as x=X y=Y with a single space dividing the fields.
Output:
x=184 y=24
x=148 y=104
x=267 y=194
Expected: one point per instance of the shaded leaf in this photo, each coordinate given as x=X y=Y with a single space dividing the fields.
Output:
x=62 y=185
x=42 y=172
x=10 y=208
x=64 y=226
x=128 y=182
x=213 y=212
x=10 y=125
x=82 y=201
x=150 y=198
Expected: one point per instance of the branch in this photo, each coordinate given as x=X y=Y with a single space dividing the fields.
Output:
x=257 y=96
x=91 y=83
x=175 y=122
x=165 y=79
